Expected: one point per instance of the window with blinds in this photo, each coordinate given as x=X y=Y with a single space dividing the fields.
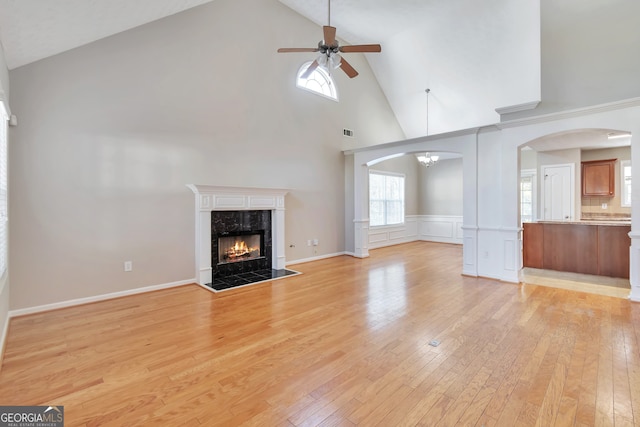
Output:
x=386 y=198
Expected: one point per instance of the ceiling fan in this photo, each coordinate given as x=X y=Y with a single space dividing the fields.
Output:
x=329 y=49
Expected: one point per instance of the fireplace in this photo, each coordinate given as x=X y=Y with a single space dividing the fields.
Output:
x=211 y=199
x=240 y=246
x=241 y=242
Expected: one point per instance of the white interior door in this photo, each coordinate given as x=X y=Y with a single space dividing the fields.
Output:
x=558 y=192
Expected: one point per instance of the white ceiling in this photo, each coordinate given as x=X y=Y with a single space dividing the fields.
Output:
x=585 y=139
x=474 y=55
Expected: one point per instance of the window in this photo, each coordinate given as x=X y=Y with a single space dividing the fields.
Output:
x=527 y=195
x=625 y=197
x=319 y=82
x=3 y=190
x=386 y=198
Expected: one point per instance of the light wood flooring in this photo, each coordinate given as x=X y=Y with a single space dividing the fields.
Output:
x=346 y=343
x=600 y=285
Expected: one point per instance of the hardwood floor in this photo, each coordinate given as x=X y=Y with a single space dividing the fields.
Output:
x=345 y=343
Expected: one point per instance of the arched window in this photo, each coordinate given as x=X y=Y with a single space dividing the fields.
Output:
x=319 y=82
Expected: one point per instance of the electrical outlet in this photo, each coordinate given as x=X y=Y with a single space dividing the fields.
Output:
x=128 y=266
x=315 y=242
x=604 y=206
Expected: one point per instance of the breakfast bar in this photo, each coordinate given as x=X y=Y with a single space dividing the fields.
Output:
x=588 y=247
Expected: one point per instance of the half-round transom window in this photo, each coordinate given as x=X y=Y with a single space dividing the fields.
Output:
x=319 y=82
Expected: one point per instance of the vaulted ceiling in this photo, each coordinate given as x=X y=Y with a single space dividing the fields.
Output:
x=474 y=55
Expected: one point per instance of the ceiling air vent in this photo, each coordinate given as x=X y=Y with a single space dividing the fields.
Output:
x=347 y=132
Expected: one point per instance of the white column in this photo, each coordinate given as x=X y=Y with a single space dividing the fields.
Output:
x=277 y=236
x=361 y=208
x=361 y=231
x=634 y=265
x=469 y=256
x=634 y=250
x=470 y=208
x=203 y=242
x=511 y=255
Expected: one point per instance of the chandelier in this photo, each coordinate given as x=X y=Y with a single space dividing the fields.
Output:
x=427 y=159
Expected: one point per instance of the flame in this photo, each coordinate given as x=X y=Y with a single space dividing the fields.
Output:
x=239 y=250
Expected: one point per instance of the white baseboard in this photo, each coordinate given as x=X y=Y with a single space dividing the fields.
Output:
x=316 y=258
x=87 y=300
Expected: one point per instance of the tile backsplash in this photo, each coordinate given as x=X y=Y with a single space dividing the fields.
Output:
x=592 y=208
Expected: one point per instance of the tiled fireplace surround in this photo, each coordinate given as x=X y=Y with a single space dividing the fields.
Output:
x=211 y=198
x=237 y=222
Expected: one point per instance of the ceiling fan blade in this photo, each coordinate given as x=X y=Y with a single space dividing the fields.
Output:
x=361 y=48
x=329 y=35
x=297 y=49
x=347 y=68
x=310 y=70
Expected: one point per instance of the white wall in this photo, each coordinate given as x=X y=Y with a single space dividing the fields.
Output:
x=4 y=281
x=111 y=132
x=440 y=188
x=528 y=159
x=589 y=54
x=459 y=50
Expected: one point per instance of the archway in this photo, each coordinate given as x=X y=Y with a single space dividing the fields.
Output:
x=607 y=214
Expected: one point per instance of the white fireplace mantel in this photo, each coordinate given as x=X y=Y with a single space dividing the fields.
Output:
x=215 y=198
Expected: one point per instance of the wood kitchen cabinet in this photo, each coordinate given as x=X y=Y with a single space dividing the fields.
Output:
x=613 y=251
x=532 y=250
x=598 y=249
x=598 y=178
x=571 y=247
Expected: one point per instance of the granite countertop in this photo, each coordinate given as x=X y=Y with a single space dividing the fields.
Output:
x=618 y=222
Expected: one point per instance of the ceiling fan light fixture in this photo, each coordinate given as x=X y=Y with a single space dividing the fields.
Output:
x=322 y=60
x=335 y=59
x=329 y=48
x=329 y=61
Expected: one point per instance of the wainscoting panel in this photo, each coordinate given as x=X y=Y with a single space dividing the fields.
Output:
x=430 y=228
x=394 y=234
x=441 y=228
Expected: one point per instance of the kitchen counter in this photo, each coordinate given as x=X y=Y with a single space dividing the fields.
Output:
x=591 y=222
x=588 y=247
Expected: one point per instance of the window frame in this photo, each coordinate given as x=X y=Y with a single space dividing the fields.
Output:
x=533 y=174
x=623 y=185
x=404 y=197
x=324 y=74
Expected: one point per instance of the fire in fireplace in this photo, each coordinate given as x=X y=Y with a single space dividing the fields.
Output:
x=240 y=246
